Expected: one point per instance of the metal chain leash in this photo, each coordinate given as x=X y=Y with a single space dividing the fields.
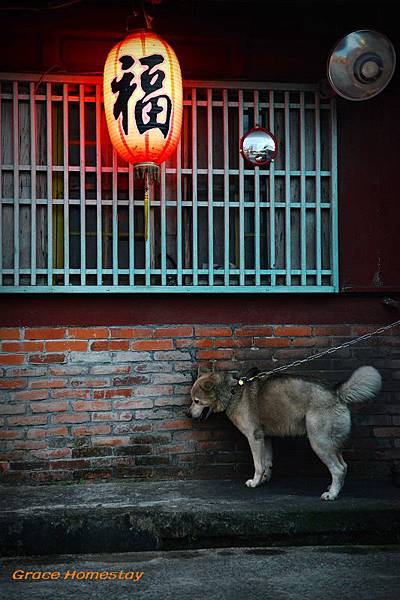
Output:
x=295 y=363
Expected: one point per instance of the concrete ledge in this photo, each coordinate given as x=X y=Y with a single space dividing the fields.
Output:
x=126 y=516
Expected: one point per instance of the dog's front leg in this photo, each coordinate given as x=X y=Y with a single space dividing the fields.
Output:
x=262 y=456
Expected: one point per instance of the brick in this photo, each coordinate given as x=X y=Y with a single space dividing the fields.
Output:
x=90 y=452
x=12 y=409
x=173 y=332
x=132 y=404
x=292 y=330
x=154 y=367
x=27 y=372
x=110 y=369
x=149 y=391
x=11 y=434
x=64 y=345
x=46 y=358
x=30 y=420
x=23 y=346
x=90 y=357
x=32 y=395
x=153 y=345
x=61 y=370
x=12 y=359
x=244 y=342
x=71 y=418
x=54 y=453
x=180 y=401
x=92 y=405
x=214 y=354
x=132 y=356
x=9 y=333
x=271 y=342
x=172 y=378
x=44 y=333
x=131 y=380
x=112 y=416
x=254 y=330
x=213 y=331
x=39 y=407
x=30 y=445
x=192 y=343
x=86 y=333
x=89 y=383
x=317 y=342
x=333 y=330
x=131 y=332
x=90 y=429
x=12 y=384
x=175 y=355
x=49 y=383
x=111 y=441
x=113 y=345
x=46 y=432
x=118 y=393
x=172 y=424
x=71 y=394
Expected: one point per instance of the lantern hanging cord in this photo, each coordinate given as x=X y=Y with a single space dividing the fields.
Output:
x=146 y=16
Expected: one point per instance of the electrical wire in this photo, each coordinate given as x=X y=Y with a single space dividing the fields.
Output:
x=40 y=9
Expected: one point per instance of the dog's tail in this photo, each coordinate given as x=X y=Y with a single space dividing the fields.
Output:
x=364 y=384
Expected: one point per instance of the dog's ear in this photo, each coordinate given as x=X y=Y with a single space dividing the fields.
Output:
x=205 y=369
x=208 y=385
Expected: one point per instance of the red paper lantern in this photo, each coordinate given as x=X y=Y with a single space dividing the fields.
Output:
x=143 y=100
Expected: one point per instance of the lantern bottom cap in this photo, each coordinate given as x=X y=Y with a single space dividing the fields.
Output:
x=150 y=168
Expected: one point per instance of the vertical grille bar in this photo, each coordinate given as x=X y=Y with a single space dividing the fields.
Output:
x=318 y=187
x=147 y=243
x=226 y=188
x=131 y=236
x=179 y=211
x=194 y=184
x=16 y=181
x=114 y=217
x=257 y=239
x=66 y=184
x=334 y=197
x=241 y=193
x=163 y=217
x=288 y=233
x=99 y=218
x=272 y=196
x=210 y=189
x=49 y=186
x=82 y=181
x=33 y=132
x=303 y=249
x=1 y=188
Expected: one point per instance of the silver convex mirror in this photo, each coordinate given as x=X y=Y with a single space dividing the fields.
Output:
x=258 y=146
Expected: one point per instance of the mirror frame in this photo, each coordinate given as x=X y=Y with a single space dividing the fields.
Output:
x=264 y=162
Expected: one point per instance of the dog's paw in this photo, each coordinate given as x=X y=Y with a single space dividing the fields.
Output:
x=328 y=496
x=252 y=483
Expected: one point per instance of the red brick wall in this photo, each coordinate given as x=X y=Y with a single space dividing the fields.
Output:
x=109 y=402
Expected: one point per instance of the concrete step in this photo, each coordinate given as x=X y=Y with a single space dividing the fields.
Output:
x=127 y=516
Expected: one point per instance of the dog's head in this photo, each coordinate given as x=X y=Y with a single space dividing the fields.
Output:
x=209 y=392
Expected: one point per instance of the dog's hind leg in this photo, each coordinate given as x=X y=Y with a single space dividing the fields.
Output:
x=323 y=446
x=261 y=450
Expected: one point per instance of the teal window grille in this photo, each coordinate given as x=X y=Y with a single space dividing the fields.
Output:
x=71 y=213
